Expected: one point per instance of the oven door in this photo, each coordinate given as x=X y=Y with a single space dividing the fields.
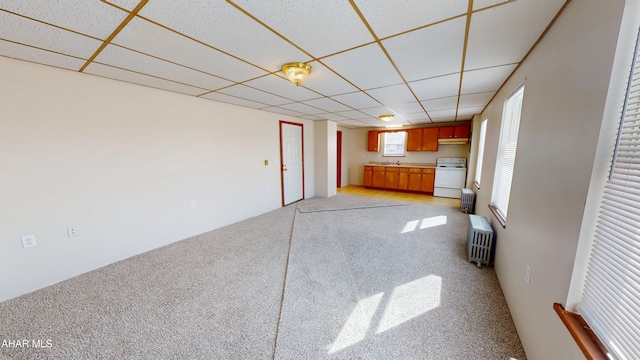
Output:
x=452 y=178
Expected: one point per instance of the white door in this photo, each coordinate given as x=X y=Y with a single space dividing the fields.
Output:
x=291 y=162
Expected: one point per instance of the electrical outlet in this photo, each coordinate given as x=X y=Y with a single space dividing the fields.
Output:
x=192 y=204
x=28 y=241
x=72 y=231
x=527 y=275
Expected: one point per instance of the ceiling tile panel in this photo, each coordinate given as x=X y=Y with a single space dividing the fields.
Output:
x=438 y=87
x=282 y=87
x=440 y=104
x=125 y=4
x=326 y=81
x=327 y=104
x=322 y=31
x=366 y=67
x=393 y=17
x=93 y=18
x=252 y=94
x=407 y=108
x=280 y=110
x=143 y=36
x=475 y=100
x=433 y=51
x=489 y=43
x=23 y=52
x=469 y=111
x=130 y=60
x=418 y=117
x=489 y=79
x=357 y=100
x=442 y=114
x=302 y=108
x=331 y=116
x=396 y=94
x=28 y=32
x=221 y=25
x=353 y=114
x=481 y=4
x=311 y=117
x=377 y=111
x=233 y=100
x=128 y=76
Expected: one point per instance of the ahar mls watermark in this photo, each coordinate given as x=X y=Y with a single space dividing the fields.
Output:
x=26 y=344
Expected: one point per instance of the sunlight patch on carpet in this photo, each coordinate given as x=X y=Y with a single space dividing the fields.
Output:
x=356 y=327
x=426 y=223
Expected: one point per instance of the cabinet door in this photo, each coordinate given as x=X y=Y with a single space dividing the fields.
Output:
x=391 y=180
x=430 y=139
x=446 y=132
x=368 y=176
x=461 y=131
x=415 y=180
x=378 y=176
x=414 y=139
x=428 y=175
x=374 y=141
x=403 y=179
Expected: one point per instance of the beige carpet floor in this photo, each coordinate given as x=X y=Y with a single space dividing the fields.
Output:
x=365 y=282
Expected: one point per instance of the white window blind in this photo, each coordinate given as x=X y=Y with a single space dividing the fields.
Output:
x=394 y=143
x=611 y=297
x=507 y=152
x=483 y=134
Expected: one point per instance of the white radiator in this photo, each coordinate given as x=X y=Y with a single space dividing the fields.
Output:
x=480 y=240
x=466 y=203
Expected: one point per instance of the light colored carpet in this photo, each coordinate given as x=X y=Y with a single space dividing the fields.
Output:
x=345 y=202
x=389 y=282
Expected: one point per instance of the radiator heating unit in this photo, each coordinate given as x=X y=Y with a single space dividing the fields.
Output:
x=480 y=240
x=466 y=202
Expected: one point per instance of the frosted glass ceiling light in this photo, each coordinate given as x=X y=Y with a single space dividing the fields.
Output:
x=386 y=118
x=296 y=72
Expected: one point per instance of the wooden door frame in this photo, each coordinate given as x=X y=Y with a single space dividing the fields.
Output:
x=302 y=154
x=339 y=159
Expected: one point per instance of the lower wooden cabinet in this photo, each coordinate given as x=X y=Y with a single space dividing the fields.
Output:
x=399 y=178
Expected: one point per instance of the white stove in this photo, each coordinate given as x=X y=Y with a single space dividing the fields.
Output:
x=451 y=174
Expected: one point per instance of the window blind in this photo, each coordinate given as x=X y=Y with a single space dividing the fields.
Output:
x=611 y=297
x=483 y=134
x=507 y=152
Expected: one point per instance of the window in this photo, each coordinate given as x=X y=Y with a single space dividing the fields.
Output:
x=506 y=154
x=483 y=133
x=610 y=300
x=394 y=143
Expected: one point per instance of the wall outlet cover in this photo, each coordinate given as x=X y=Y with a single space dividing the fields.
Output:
x=28 y=241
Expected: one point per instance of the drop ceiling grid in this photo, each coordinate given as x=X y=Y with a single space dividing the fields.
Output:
x=489 y=43
x=361 y=75
x=438 y=50
x=282 y=87
x=324 y=24
x=407 y=108
x=232 y=31
x=488 y=79
x=357 y=100
x=125 y=4
x=388 y=18
x=216 y=96
x=326 y=81
x=23 y=52
x=33 y=33
x=437 y=87
x=130 y=60
x=252 y=94
x=141 y=79
x=97 y=21
x=303 y=109
x=154 y=40
x=395 y=94
x=329 y=105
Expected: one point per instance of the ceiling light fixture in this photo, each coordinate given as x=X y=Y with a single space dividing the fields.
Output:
x=386 y=117
x=296 y=72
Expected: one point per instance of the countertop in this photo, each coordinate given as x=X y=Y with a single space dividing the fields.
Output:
x=407 y=165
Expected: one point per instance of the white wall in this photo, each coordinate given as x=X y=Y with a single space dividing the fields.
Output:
x=567 y=78
x=120 y=162
x=359 y=156
x=326 y=157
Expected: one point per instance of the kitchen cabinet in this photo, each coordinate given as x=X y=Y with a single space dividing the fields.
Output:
x=399 y=178
x=403 y=179
x=428 y=177
x=430 y=139
x=415 y=179
x=423 y=139
x=368 y=176
x=373 y=143
x=454 y=132
x=379 y=177
x=391 y=178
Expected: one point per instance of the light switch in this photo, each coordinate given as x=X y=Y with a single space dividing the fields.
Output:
x=266 y=162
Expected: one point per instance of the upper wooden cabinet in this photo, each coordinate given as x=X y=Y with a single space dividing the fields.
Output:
x=373 y=141
x=430 y=139
x=451 y=132
x=424 y=139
